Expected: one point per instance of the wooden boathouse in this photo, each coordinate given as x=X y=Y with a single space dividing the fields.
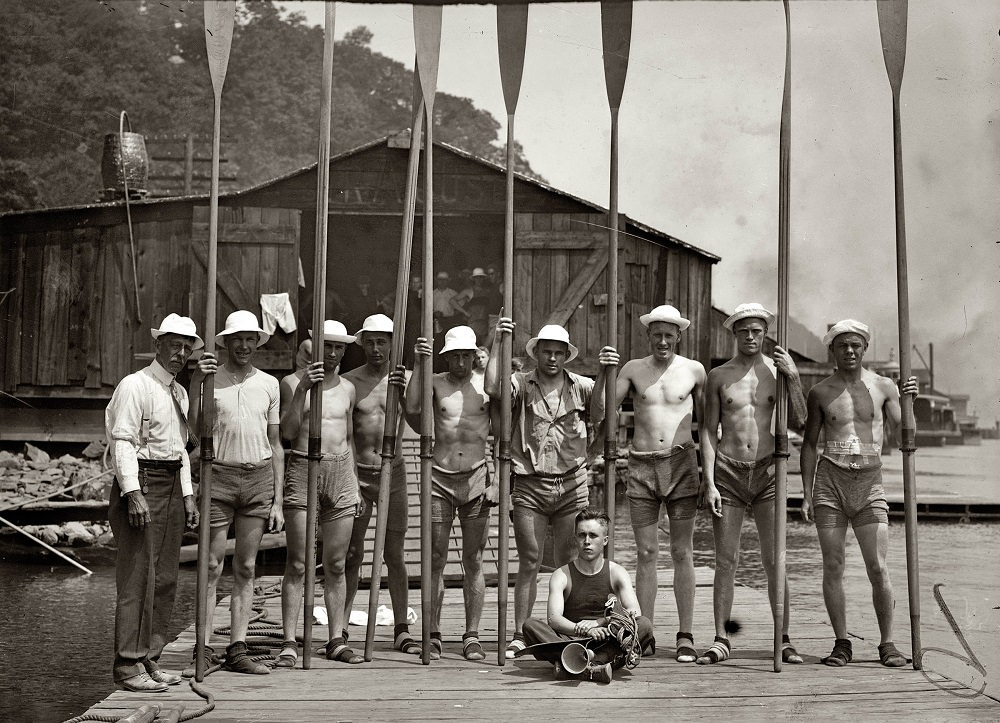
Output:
x=78 y=292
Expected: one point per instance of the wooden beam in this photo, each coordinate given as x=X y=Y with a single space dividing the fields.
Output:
x=582 y=283
x=551 y=240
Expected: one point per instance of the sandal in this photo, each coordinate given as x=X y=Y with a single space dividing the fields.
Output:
x=405 y=643
x=718 y=652
x=788 y=652
x=289 y=655
x=437 y=648
x=686 y=652
x=472 y=649
x=841 y=654
x=337 y=649
x=890 y=656
x=515 y=646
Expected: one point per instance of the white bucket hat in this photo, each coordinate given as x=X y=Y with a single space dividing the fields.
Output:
x=375 y=322
x=176 y=324
x=335 y=331
x=478 y=271
x=459 y=338
x=665 y=313
x=847 y=326
x=749 y=311
x=551 y=332
x=242 y=321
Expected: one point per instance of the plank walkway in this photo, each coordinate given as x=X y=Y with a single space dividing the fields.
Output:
x=398 y=687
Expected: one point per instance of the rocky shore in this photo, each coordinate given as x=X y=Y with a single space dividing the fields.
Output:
x=34 y=479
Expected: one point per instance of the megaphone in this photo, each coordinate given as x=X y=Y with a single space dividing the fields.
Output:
x=575 y=658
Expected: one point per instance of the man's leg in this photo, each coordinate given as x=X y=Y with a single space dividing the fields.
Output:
x=763 y=513
x=166 y=562
x=682 y=554
x=336 y=539
x=563 y=539
x=475 y=533
x=832 y=542
x=295 y=571
x=646 y=551
x=249 y=531
x=874 y=542
x=399 y=583
x=216 y=563
x=529 y=535
x=440 y=536
x=355 y=553
x=727 y=530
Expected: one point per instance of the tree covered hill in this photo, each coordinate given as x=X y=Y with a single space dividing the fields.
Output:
x=69 y=67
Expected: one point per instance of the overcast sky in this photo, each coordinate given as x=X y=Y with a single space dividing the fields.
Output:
x=699 y=149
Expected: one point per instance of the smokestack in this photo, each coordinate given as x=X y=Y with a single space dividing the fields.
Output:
x=931 y=370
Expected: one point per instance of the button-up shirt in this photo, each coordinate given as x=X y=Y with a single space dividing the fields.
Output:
x=147 y=393
x=549 y=440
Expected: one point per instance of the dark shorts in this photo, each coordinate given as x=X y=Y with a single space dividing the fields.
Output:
x=744 y=484
x=247 y=492
x=842 y=495
x=551 y=496
x=462 y=493
x=369 y=480
x=336 y=484
x=668 y=476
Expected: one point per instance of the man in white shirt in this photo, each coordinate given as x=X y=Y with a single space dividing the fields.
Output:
x=151 y=498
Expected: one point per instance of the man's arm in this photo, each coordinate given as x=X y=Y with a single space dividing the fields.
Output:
x=807 y=458
x=784 y=363
x=891 y=408
x=207 y=364
x=557 y=602
x=276 y=517
x=608 y=357
x=622 y=585
x=293 y=398
x=708 y=435
x=491 y=377
x=414 y=388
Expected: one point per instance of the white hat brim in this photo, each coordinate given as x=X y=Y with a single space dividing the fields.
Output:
x=262 y=336
x=198 y=342
x=533 y=342
x=764 y=314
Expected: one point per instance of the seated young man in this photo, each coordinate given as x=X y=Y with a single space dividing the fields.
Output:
x=578 y=596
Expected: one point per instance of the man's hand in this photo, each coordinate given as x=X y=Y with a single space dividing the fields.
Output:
x=492 y=494
x=138 y=509
x=190 y=512
x=807 y=508
x=911 y=386
x=784 y=363
x=207 y=364
x=592 y=629
x=275 y=518
x=713 y=499
x=608 y=357
x=397 y=377
x=505 y=325
x=314 y=375
x=423 y=347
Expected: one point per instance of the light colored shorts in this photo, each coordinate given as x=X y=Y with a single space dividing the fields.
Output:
x=336 y=485
x=549 y=495
x=243 y=491
x=744 y=484
x=461 y=493
x=665 y=476
x=369 y=480
x=842 y=495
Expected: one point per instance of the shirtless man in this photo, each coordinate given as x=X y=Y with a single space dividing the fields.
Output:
x=337 y=486
x=460 y=481
x=371 y=386
x=666 y=389
x=247 y=474
x=548 y=457
x=850 y=408
x=739 y=470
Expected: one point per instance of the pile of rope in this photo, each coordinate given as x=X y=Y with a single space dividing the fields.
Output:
x=623 y=626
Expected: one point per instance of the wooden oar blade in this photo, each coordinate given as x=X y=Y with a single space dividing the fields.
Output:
x=219 y=18
x=616 y=30
x=512 y=38
x=892 y=29
x=427 y=38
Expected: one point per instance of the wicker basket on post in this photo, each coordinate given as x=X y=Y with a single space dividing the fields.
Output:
x=124 y=164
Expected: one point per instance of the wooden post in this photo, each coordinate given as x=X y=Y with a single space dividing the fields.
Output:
x=781 y=453
x=512 y=36
x=427 y=37
x=219 y=18
x=892 y=29
x=315 y=451
x=616 y=27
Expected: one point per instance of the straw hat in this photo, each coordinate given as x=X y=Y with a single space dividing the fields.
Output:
x=375 y=323
x=847 y=326
x=478 y=271
x=242 y=321
x=665 y=313
x=551 y=332
x=176 y=324
x=335 y=331
x=459 y=338
x=749 y=311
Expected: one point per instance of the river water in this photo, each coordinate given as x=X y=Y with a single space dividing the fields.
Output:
x=56 y=625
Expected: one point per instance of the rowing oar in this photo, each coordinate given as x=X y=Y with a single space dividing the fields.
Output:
x=512 y=36
x=616 y=31
x=427 y=38
x=315 y=451
x=219 y=16
x=892 y=28
x=44 y=544
x=392 y=421
x=781 y=453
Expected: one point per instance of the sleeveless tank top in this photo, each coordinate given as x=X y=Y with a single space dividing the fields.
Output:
x=588 y=594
